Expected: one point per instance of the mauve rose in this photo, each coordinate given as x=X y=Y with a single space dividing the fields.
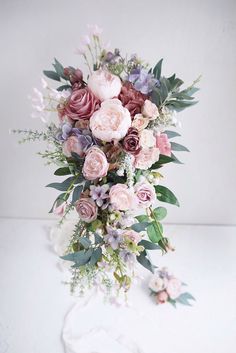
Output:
x=95 y=164
x=146 y=158
x=111 y=121
x=140 y=122
x=72 y=144
x=150 y=110
x=132 y=235
x=131 y=141
x=174 y=287
x=104 y=85
x=87 y=209
x=81 y=104
x=162 y=142
x=121 y=197
x=131 y=99
x=145 y=193
x=162 y=297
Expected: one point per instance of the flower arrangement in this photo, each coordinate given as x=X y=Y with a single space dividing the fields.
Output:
x=113 y=133
x=165 y=287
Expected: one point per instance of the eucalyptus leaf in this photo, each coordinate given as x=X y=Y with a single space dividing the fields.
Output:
x=80 y=258
x=76 y=193
x=61 y=186
x=85 y=242
x=166 y=195
x=171 y=134
x=145 y=262
x=52 y=75
x=175 y=159
x=98 y=238
x=63 y=87
x=62 y=171
x=143 y=218
x=148 y=245
x=140 y=227
x=157 y=69
x=96 y=256
x=160 y=213
x=178 y=147
x=154 y=232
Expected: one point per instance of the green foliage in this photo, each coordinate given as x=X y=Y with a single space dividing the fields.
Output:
x=148 y=245
x=157 y=69
x=184 y=298
x=155 y=232
x=85 y=242
x=80 y=258
x=143 y=218
x=160 y=213
x=52 y=75
x=145 y=262
x=165 y=195
x=58 y=74
x=76 y=193
x=140 y=227
x=178 y=147
x=162 y=160
x=172 y=134
x=62 y=171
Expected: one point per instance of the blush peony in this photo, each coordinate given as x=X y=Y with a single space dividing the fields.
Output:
x=111 y=121
x=121 y=197
x=146 y=158
x=95 y=164
x=104 y=85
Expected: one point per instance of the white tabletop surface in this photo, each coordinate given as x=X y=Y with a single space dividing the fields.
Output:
x=34 y=302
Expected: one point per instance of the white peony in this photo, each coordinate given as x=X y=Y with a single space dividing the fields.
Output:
x=104 y=85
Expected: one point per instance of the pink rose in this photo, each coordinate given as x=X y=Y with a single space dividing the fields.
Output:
x=132 y=235
x=162 y=297
x=145 y=193
x=81 y=104
x=72 y=144
x=87 y=209
x=121 y=197
x=150 y=110
x=104 y=85
x=146 y=158
x=174 y=288
x=147 y=138
x=162 y=142
x=59 y=210
x=95 y=164
x=140 y=122
x=111 y=121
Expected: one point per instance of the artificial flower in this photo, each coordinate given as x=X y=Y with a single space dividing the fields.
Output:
x=131 y=141
x=104 y=85
x=146 y=194
x=146 y=158
x=95 y=164
x=162 y=142
x=131 y=99
x=87 y=209
x=121 y=197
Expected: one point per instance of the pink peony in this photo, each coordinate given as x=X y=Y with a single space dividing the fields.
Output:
x=111 y=121
x=72 y=144
x=95 y=164
x=104 y=85
x=132 y=235
x=162 y=142
x=150 y=110
x=81 y=104
x=146 y=158
x=174 y=288
x=87 y=209
x=162 y=297
x=145 y=193
x=121 y=197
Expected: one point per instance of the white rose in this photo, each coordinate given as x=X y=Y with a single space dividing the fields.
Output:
x=147 y=139
x=140 y=122
x=104 y=85
x=157 y=284
x=111 y=121
x=150 y=110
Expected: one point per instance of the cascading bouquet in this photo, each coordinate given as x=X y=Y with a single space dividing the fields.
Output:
x=110 y=140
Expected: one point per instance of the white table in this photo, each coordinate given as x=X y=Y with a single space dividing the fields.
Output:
x=33 y=301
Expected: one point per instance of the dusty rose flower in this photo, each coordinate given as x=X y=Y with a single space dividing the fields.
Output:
x=72 y=144
x=95 y=164
x=131 y=141
x=146 y=158
x=59 y=210
x=150 y=110
x=81 y=104
x=147 y=138
x=162 y=297
x=162 y=142
x=140 y=122
x=174 y=287
x=121 y=197
x=132 y=235
x=87 y=209
x=104 y=85
x=133 y=100
x=74 y=75
x=111 y=121
x=145 y=193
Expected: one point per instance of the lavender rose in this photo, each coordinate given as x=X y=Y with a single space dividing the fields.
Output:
x=145 y=193
x=95 y=164
x=81 y=104
x=131 y=141
x=87 y=209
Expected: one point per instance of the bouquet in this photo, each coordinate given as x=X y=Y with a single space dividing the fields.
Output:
x=112 y=135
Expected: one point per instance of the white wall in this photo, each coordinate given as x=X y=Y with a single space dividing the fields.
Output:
x=194 y=37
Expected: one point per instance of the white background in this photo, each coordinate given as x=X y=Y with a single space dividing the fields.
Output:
x=194 y=37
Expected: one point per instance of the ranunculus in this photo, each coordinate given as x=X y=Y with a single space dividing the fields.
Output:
x=87 y=209
x=157 y=284
x=132 y=235
x=59 y=210
x=145 y=193
x=133 y=100
x=140 y=122
x=121 y=197
x=131 y=141
x=162 y=297
x=104 y=85
x=95 y=164
x=146 y=158
x=174 y=287
x=150 y=110
x=147 y=138
x=72 y=144
x=162 y=142
x=111 y=121
x=81 y=104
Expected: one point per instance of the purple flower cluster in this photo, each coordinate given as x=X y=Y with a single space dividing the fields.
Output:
x=83 y=135
x=142 y=80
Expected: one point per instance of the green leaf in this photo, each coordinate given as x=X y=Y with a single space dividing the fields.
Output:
x=148 y=245
x=96 y=256
x=184 y=298
x=76 y=193
x=160 y=213
x=52 y=75
x=143 y=218
x=157 y=70
x=178 y=147
x=62 y=186
x=180 y=105
x=59 y=69
x=80 y=258
x=59 y=200
x=98 y=238
x=145 y=262
x=162 y=160
x=175 y=159
x=156 y=97
x=140 y=227
x=171 y=134
x=163 y=89
x=154 y=232
x=85 y=242
x=165 y=195
x=63 y=87
x=63 y=171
